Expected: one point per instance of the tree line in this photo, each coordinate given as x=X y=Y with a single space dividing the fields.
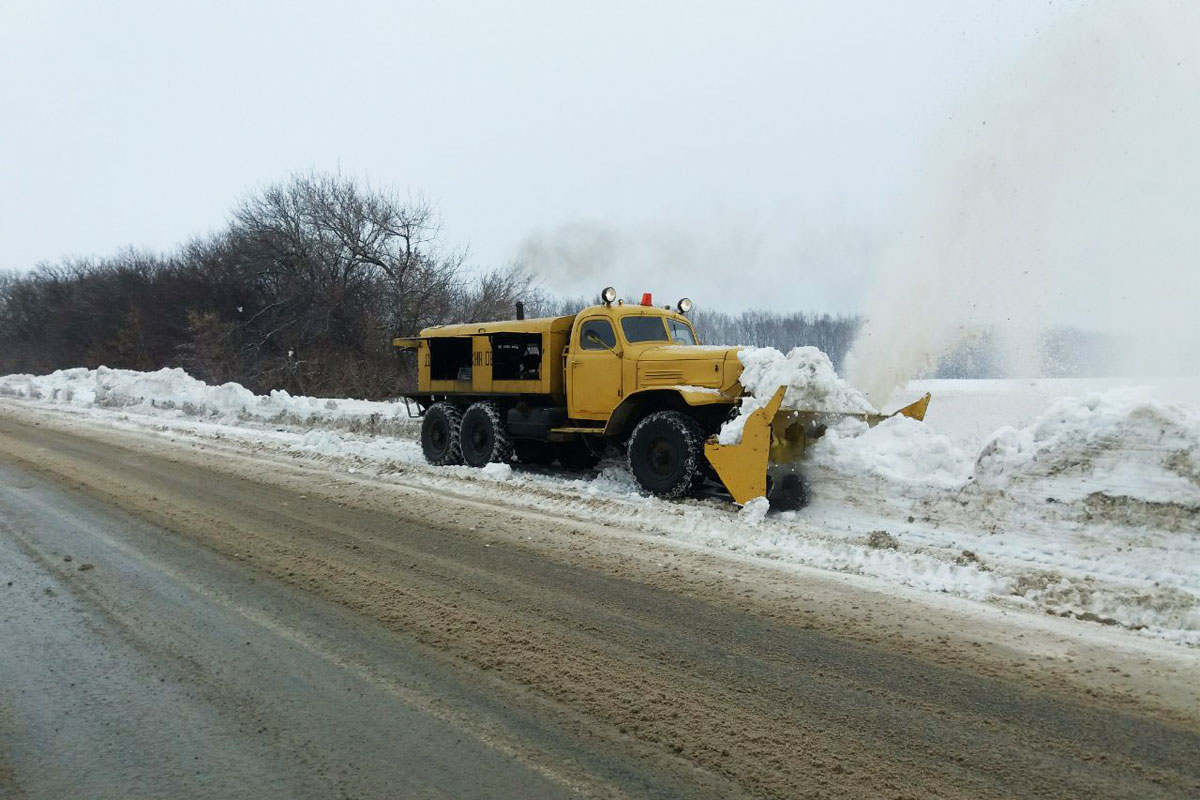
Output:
x=303 y=290
x=306 y=286
x=832 y=334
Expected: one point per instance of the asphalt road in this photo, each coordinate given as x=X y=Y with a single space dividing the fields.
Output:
x=173 y=628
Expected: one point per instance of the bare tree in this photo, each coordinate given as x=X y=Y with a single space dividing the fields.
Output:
x=338 y=269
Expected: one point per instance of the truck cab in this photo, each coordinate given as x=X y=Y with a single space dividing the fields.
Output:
x=617 y=351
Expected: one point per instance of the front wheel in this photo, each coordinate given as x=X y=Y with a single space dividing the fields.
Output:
x=666 y=454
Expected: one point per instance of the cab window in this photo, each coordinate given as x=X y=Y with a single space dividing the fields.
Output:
x=644 y=329
x=681 y=333
x=600 y=328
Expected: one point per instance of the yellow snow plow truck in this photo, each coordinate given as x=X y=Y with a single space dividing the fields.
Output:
x=630 y=378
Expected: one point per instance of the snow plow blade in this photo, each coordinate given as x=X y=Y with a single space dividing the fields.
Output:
x=913 y=410
x=742 y=467
x=779 y=437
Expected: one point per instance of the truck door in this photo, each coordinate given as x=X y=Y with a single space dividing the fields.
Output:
x=593 y=370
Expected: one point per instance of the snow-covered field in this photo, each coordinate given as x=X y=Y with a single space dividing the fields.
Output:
x=1079 y=498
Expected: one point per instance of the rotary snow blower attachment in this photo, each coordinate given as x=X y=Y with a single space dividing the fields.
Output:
x=774 y=442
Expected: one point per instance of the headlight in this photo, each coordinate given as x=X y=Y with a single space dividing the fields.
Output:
x=685 y=305
x=608 y=295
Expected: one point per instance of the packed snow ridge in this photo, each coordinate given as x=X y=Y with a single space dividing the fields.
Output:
x=1126 y=442
x=174 y=393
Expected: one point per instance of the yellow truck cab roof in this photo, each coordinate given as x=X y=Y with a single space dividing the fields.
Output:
x=618 y=311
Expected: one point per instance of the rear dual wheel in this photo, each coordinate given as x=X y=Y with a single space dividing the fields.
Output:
x=440 y=434
x=474 y=437
x=484 y=436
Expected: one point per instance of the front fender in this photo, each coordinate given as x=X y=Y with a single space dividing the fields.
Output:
x=640 y=403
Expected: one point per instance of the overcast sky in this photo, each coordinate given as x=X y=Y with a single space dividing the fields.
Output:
x=744 y=153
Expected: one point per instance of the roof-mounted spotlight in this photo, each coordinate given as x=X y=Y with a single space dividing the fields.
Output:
x=685 y=305
x=608 y=295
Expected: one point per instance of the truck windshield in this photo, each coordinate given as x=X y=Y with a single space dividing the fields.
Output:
x=681 y=333
x=644 y=329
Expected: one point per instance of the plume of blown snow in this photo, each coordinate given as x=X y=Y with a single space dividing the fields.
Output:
x=1067 y=193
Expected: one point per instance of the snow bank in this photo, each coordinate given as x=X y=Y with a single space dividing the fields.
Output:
x=809 y=377
x=166 y=389
x=1127 y=442
x=172 y=392
x=898 y=449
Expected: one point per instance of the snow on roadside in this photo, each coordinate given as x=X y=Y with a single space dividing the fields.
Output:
x=1126 y=442
x=173 y=393
x=897 y=503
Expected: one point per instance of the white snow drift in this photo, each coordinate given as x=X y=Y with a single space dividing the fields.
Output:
x=1127 y=442
x=174 y=393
